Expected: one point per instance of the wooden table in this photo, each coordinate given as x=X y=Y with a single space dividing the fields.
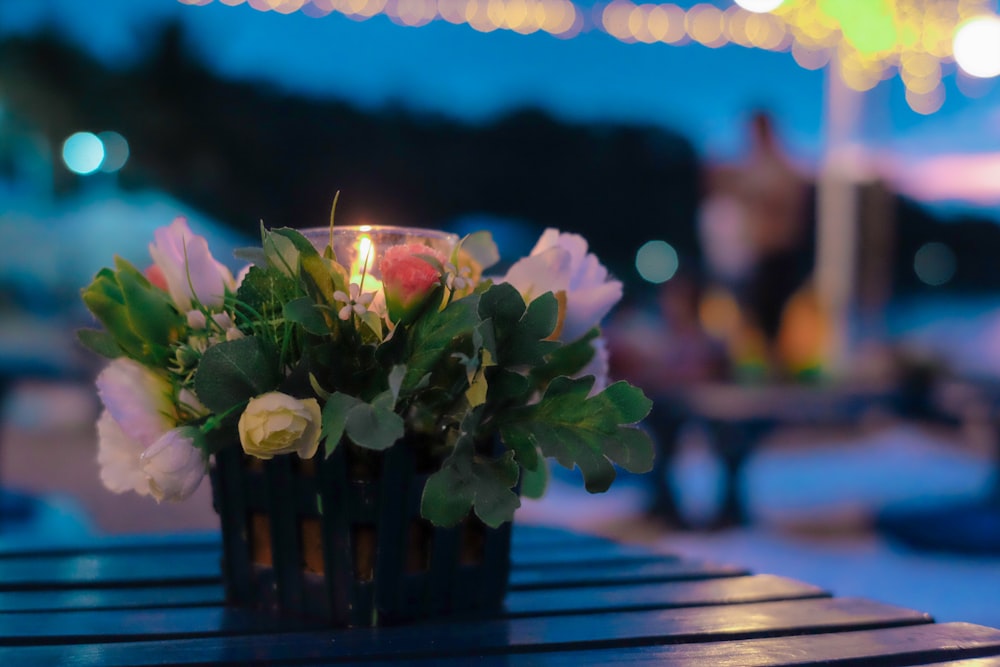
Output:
x=573 y=600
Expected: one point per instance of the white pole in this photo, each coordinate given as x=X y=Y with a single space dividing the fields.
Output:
x=837 y=230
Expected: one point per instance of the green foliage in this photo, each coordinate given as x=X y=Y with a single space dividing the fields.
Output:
x=370 y=425
x=435 y=336
x=100 y=342
x=481 y=248
x=467 y=481
x=519 y=331
x=139 y=318
x=589 y=433
x=233 y=372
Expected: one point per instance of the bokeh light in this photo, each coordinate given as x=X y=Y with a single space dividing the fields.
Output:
x=656 y=261
x=83 y=153
x=759 y=6
x=934 y=263
x=116 y=151
x=869 y=40
x=977 y=46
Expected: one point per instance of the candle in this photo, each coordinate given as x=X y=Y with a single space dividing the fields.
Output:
x=358 y=248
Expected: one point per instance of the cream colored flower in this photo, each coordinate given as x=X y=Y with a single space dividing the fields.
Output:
x=173 y=466
x=189 y=268
x=277 y=423
x=560 y=262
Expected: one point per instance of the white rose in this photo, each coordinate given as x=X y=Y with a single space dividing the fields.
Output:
x=276 y=423
x=138 y=399
x=173 y=466
x=137 y=411
x=560 y=262
x=118 y=457
x=188 y=267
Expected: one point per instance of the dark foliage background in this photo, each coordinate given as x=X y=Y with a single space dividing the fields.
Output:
x=244 y=152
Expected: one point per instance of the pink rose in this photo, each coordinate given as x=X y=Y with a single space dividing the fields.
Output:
x=408 y=278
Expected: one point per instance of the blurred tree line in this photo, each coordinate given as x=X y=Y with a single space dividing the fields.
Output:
x=245 y=152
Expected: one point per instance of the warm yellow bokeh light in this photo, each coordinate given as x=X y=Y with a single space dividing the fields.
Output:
x=926 y=103
x=452 y=11
x=977 y=47
x=705 y=24
x=810 y=58
x=867 y=40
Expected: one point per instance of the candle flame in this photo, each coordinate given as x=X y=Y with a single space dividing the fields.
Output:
x=361 y=270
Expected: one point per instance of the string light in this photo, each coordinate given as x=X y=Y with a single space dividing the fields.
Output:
x=868 y=41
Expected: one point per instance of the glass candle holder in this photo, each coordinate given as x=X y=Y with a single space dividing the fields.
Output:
x=359 y=248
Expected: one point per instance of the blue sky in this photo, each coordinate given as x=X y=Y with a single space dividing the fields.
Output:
x=703 y=93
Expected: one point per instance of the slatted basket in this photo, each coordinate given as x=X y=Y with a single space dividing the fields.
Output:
x=341 y=539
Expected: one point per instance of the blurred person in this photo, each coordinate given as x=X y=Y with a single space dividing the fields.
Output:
x=664 y=346
x=757 y=232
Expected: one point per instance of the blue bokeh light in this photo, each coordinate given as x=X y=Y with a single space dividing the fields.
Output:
x=657 y=261
x=83 y=153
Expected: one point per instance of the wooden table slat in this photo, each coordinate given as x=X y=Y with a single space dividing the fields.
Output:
x=607 y=564
x=933 y=645
x=573 y=600
x=944 y=645
x=727 y=590
x=525 y=539
x=691 y=624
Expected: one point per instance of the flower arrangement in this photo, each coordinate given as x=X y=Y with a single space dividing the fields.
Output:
x=300 y=355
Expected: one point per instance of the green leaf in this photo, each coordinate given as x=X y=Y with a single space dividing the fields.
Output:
x=103 y=297
x=396 y=376
x=568 y=359
x=519 y=330
x=385 y=400
x=467 y=481
x=233 y=372
x=521 y=442
x=335 y=419
x=631 y=403
x=298 y=240
x=526 y=344
x=481 y=248
x=437 y=334
x=373 y=322
x=503 y=304
x=150 y=309
x=100 y=342
x=535 y=482
x=252 y=255
x=373 y=427
x=508 y=387
x=281 y=252
x=304 y=312
x=322 y=277
x=632 y=449
x=591 y=433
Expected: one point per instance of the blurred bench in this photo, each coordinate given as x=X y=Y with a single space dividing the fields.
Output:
x=32 y=351
x=738 y=418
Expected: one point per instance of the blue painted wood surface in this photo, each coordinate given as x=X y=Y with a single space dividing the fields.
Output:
x=573 y=600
